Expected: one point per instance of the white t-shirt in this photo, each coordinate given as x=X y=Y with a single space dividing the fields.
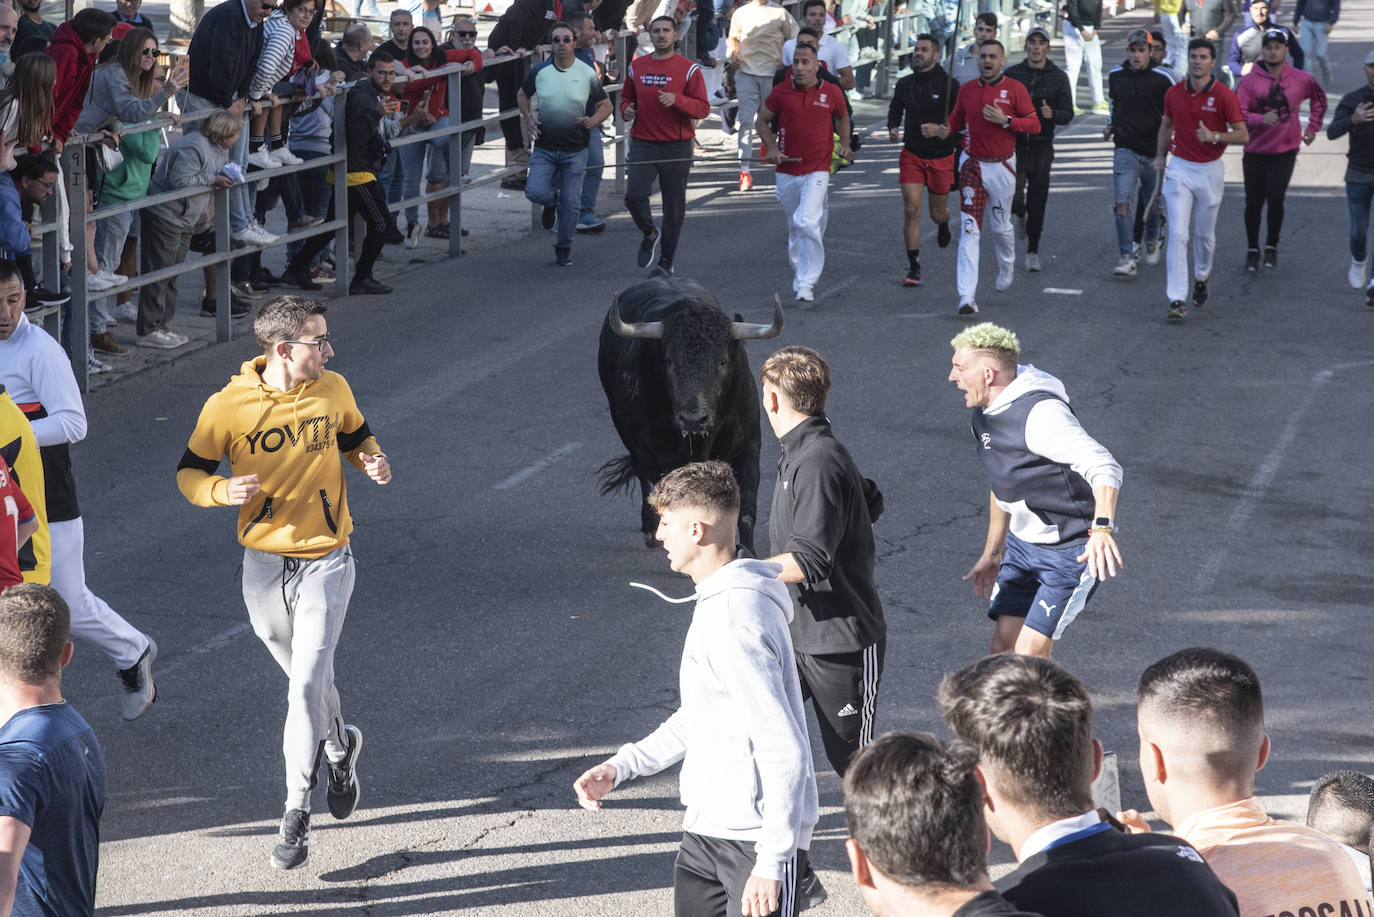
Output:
x=833 y=54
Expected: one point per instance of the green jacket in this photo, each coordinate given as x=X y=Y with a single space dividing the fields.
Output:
x=129 y=182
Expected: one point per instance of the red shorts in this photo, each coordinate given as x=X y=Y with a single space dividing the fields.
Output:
x=935 y=174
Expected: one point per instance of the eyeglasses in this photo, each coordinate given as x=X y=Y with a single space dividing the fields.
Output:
x=462 y=34
x=49 y=185
x=319 y=343
x=150 y=52
x=564 y=40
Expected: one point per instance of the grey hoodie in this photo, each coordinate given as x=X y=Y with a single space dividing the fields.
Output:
x=741 y=728
x=191 y=161
x=110 y=98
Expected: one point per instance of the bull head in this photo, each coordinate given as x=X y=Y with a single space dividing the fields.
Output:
x=740 y=331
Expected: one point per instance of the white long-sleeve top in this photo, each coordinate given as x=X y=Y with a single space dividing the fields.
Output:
x=740 y=731
x=35 y=369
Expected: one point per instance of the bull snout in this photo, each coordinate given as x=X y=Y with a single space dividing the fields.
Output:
x=693 y=423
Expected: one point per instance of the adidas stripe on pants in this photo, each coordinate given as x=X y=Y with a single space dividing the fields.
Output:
x=843 y=687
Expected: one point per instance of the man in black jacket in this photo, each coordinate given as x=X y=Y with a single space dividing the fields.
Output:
x=1032 y=723
x=365 y=109
x=923 y=99
x=522 y=27
x=1049 y=90
x=1355 y=116
x=1136 y=90
x=224 y=55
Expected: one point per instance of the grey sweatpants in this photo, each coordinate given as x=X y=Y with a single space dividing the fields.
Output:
x=297 y=607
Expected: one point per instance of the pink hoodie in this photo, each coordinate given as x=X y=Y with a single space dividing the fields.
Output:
x=1260 y=92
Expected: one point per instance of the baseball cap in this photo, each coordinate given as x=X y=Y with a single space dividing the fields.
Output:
x=1369 y=58
x=1139 y=37
x=1041 y=31
x=1274 y=35
x=1157 y=35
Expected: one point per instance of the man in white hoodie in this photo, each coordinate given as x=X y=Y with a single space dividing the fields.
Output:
x=1050 y=534
x=747 y=778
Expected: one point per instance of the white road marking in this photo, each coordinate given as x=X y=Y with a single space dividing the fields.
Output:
x=1062 y=291
x=1264 y=477
x=831 y=291
x=209 y=646
x=525 y=473
x=919 y=314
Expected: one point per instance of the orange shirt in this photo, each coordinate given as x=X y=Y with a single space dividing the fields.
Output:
x=1275 y=867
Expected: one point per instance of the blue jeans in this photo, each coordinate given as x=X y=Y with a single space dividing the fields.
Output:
x=555 y=180
x=591 y=182
x=413 y=163
x=110 y=236
x=392 y=177
x=1359 y=195
x=1314 y=40
x=1130 y=171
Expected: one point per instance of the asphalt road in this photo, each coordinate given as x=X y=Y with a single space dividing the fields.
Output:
x=494 y=649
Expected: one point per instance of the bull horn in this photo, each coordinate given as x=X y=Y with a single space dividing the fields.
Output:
x=644 y=330
x=743 y=331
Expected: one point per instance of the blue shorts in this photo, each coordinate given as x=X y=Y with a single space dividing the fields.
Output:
x=1045 y=585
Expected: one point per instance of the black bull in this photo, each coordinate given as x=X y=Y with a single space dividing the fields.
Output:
x=677 y=379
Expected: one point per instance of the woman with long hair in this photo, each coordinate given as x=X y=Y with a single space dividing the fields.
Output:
x=26 y=105
x=127 y=89
x=423 y=51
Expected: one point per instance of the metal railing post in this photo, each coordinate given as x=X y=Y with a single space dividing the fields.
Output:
x=51 y=266
x=455 y=161
x=74 y=178
x=341 y=268
x=224 y=291
x=622 y=133
x=885 y=64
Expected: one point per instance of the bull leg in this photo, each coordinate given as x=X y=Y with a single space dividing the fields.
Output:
x=648 y=518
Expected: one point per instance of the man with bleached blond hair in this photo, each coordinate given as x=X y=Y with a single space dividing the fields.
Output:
x=1052 y=507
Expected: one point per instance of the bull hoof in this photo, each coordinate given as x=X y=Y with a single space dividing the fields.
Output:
x=649 y=540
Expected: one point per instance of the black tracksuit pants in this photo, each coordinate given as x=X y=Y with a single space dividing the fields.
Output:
x=509 y=77
x=368 y=201
x=1033 y=161
x=643 y=168
x=1266 y=182
x=843 y=689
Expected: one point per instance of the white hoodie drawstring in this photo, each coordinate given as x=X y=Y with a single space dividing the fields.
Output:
x=690 y=598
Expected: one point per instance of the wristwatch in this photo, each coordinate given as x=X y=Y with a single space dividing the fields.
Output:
x=1103 y=522
x=1007 y=123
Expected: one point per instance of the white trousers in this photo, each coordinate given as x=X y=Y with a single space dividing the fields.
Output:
x=1192 y=193
x=92 y=619
x=1175 y=43
x=999 y=181
x=803 y=199
x=1075 y=50
x=298 y=607
x=750 y=91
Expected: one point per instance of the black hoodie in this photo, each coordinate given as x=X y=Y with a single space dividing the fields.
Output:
x=1047 y=84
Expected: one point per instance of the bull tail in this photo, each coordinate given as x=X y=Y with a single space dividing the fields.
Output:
x=616 y=474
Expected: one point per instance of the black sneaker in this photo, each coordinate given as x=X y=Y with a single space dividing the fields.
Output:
x=392 y=236
x=810 y=892
x=913 y=277
x=648 y=247
x=1199 y=293
x=367 y=286
x=343 y=789
x=1369 y=297
x=299 y=278
x=293 y=841
x=548 y=216
x=39 y=298
x=562 y=256
x=663 y=269
x=514 y=182
x=137 y=682
x=1271 y=256
x=1252 y=260
x=942 y=235
x=238 y=308
x=1177 y=311
x=968 y=307
x=262 y=278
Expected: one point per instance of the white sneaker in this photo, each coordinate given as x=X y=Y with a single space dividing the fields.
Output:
x=1004 y=280
x=284 y=157
x=162 y=340
x=1135 y=251
x=1032 y=261
x=126 y=312
x=115 y=279
x=254 y=234
x=97 y=282
x=805 y=294
x=412 y=235
x=1125 y=267
x=1358 y=275
x=263 y=160
x=1151 y=252
x=96 y=365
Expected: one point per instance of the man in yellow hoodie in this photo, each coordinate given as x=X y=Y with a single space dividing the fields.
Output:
x=19 y=449
x=285 y=423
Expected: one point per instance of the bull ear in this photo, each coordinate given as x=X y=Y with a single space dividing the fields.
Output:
x=743 y=331
x=642 y=330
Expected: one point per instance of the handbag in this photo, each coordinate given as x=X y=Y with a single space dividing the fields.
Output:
x=107 y=159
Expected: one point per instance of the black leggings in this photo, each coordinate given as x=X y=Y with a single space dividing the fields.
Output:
x=1033 y=163
x=509 y=77
x=1266 y=181
x=672 y=182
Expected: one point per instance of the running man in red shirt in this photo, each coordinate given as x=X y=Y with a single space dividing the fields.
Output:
x=664 y=93
x=16 y=528
x=994 y=109
x=809 y=114
x=1208 y=116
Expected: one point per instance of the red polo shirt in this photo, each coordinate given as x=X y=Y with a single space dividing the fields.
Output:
x=806 y=124
x=985 y=140
x=1216 y=107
